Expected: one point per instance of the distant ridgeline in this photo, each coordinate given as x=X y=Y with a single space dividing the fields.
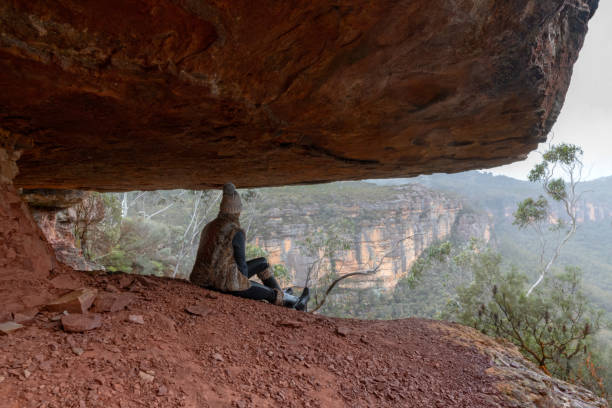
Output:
x=379 y=219
x=589 y=249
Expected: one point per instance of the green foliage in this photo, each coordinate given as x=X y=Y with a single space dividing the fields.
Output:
x=435 y=253
x=282 y=274
x=253 y=251
x=530 y=211
x=555 y=329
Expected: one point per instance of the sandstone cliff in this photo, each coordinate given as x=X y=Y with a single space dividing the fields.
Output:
x=402 y=221
x=174 y=93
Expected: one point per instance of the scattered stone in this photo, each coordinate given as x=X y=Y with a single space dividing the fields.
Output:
x=65 y=282
x=212 y=295
x=112 y=288
x=343 y=331
x=290 y=323
x=138 y=319
x=2 y=378
x=218 y=357
x=162 y=390
x=112 y=302
x=59 y=316
x=77 y=350
x=77 y=301
x=25 y=315
x=77 y=323
x=125 y=281
x=198 y=310
x=45 y=365
x=146 y=376
x=27 y=373
x=137 y=287
x=148 y=282
x=9 y=327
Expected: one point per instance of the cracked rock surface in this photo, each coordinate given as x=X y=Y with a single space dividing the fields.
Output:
x=155 y=94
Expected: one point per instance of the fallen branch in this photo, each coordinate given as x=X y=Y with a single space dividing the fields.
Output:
x=360 y=273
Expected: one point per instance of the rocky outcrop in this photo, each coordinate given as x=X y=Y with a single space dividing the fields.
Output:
x=168 y=94
x=25 y=256
x=520 y=382
x=392 y=227
x=56 y=214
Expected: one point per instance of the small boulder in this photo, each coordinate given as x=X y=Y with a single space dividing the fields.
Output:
x=25 y=316
x=112 y=302
x=77 y=323
x=9 y=327
x=77 y=301
x=138 y=319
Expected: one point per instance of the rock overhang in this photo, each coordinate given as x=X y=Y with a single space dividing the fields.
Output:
x=115 y=96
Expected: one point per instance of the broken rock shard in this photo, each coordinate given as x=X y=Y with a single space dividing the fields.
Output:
x=169 y=94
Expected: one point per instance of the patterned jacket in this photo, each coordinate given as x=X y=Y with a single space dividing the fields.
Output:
x=215 y=266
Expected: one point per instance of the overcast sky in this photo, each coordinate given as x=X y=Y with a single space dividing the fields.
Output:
x=586 y=116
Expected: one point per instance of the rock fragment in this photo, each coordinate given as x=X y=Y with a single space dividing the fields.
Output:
x=146 y=376
x=138 y=319
x=77 y=301
x=78 y=323
x=343 y=331
x=65 y=282
x=162 y=390
x=290 y=323
x=112 y=302
x=198 y=310
x=125 y=281
x=25 y=315
x=9 y=327
x=218 y=357
x=59 y=316
x=77 y=350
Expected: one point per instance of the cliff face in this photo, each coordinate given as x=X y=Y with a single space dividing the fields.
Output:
x=25 y=256
x=401 y=223
x=55 y=213
x=162 y=94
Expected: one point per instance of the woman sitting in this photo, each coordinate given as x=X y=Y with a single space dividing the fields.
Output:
x=221 y=261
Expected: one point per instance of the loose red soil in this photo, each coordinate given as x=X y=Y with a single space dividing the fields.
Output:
x=237 y=353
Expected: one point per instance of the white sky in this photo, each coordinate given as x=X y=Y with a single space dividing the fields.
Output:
x=586 y=116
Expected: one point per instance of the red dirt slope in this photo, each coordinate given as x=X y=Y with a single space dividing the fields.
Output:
x=241 y=353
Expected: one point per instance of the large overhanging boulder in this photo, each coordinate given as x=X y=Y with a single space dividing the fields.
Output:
x=112 y=95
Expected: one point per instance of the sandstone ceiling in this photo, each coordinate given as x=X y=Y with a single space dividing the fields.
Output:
x=152 y=94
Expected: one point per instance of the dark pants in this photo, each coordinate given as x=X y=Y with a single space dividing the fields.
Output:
x=257 y=291
x=256 y=265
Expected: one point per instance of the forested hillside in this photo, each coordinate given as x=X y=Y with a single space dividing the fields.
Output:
x=590 y=249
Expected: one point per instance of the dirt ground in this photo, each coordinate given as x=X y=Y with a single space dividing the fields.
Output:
x=235 y=353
